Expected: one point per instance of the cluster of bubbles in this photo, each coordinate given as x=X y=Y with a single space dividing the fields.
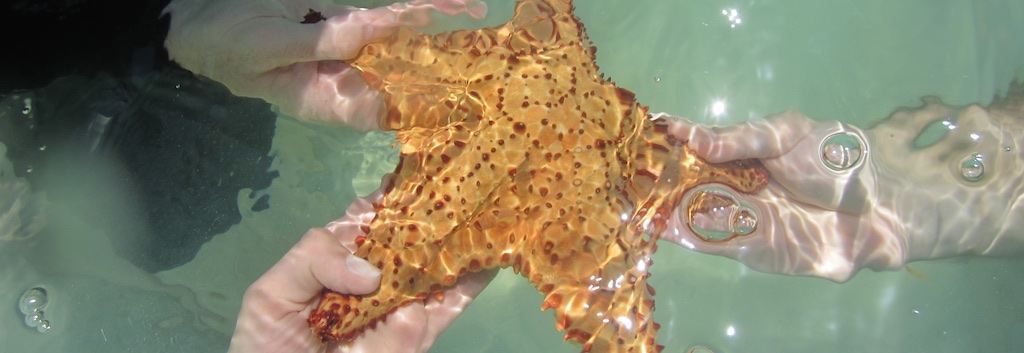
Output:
x=714 y=214
x=31 y=305
x=843 y=151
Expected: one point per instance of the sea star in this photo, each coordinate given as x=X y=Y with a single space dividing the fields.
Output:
x=517 y=153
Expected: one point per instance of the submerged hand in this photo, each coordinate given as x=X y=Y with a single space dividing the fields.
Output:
x=841 y=198
x=811 y=219
x=276 y=307
x=290 y=52
x=415 y=326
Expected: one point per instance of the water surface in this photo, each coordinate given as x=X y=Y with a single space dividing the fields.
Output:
x=713 y=62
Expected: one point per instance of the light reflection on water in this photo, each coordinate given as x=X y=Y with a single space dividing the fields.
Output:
x=854 y=61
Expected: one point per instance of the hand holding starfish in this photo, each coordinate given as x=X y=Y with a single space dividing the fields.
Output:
x=276 y=306
x=290 y=53
x=842 y=198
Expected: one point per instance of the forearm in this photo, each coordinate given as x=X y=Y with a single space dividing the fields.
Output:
x=906 y=198
x=945 y=209
x=813 y=220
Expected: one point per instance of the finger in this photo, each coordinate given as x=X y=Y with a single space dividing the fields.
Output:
x=315 y=262
x=793 y=238
x=347 y=30
x=354 y=224
x=415 y=326
x=766 y=138
x=808 y=177
x=358 y=217
x=260 y=40
x=337 y=269
x=323 y=91
x=236 y=40
x=279 y=42
x=683 y=226
x=757 y=250
x=474 y=8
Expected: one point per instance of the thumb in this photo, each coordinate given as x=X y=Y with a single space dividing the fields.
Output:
x=317 y=261
x=337 y=269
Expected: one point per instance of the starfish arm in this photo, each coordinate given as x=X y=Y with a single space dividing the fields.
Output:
x=592 y=270
x=414 y=328
x=432 y=75
x=417 y=270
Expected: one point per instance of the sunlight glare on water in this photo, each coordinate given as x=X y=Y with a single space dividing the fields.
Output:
x=853 y=61
x=713 y=62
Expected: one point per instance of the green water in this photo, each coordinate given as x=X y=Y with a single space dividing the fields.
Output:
x=854 y=61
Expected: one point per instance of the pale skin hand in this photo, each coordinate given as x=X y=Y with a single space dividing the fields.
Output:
x=275 y=307
x=415 y=326
x=260 y=48
x=800 y=229
x=900 y=203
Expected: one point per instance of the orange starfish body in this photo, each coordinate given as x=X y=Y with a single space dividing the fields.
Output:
x=517 y=153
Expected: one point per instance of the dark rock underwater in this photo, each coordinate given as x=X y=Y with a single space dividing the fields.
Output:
x=104 y=89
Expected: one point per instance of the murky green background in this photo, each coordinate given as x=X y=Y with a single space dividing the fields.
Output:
x=854 y=61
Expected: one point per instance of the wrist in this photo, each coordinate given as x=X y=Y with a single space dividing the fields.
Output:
x=955 y=192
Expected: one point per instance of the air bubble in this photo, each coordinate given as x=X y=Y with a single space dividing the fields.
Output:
x=32 y=300
x=31 y=304
x=714 y=214
x=841 y=151
x=657 y=79
x=44 y=326
x=34 y=318
x=745 y=222
x=973 y=167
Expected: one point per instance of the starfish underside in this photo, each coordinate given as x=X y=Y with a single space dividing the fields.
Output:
x=517 y=153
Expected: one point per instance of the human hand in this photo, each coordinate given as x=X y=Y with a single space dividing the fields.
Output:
x=811 y=219
x=290 y=52
x=415 y=326
x=276 y=307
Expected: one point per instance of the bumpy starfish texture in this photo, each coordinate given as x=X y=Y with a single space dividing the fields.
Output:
x=517 y=153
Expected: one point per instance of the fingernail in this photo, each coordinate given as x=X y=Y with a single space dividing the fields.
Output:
x=362 y=268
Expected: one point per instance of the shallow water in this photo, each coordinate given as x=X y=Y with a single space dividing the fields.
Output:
x=854 y=61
